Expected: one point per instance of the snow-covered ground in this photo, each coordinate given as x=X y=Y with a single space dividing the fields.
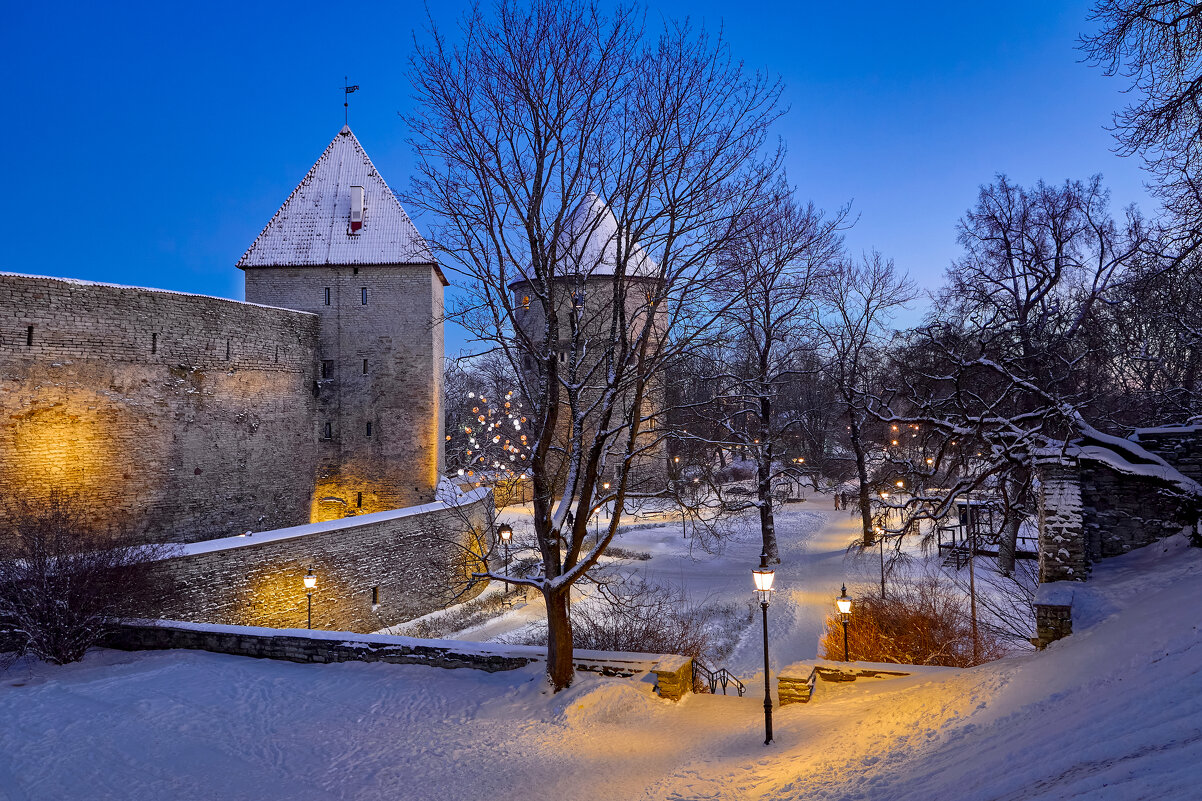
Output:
x=813 y=541
x=1113 y=712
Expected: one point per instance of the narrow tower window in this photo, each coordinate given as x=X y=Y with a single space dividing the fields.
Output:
x=369 y=429
x=154 y=343
x=358 y=205
x=327 y=368
x=329 y=431
x=375 y=595
x=29 y=336
x=363 y=296
x=365 y=367
x=227 y=349
x=359 y=500
x=327 y=296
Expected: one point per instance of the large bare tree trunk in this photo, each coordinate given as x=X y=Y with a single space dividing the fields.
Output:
x=560 y=667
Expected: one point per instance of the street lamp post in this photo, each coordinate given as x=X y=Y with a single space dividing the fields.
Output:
x=505 y=532
x=764 y=577
x=310 y=583
x=843 y=602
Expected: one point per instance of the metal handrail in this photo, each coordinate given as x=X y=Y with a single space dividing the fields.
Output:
x=721 y=676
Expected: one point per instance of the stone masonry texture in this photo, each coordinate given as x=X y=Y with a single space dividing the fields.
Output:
x=170 y=417
x=380 y=365
x=372 y=571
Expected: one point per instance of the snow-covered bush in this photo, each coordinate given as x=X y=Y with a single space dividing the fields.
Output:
x=635 y=615
x=62 y=586
x=922 y=621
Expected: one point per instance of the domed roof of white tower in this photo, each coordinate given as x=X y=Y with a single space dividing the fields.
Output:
x=590 y=243
x=341 y=213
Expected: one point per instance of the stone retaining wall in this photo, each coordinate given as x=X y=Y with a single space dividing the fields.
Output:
x=372 y=571
x=669 y=670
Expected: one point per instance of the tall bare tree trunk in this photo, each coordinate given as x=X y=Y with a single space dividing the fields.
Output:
x=857 y=448
x=560 y=666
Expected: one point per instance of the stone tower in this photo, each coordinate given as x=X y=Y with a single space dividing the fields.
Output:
x=586 y=291
x=343 y=248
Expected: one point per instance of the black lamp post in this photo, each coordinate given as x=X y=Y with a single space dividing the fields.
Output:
x=764 y=577
x=505 y=532
x=310 y=583
x=843 y=602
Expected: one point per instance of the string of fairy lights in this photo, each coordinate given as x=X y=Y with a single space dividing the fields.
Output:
x=490 y=439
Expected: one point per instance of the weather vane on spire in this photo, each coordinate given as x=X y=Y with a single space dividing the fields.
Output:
x=346 y=96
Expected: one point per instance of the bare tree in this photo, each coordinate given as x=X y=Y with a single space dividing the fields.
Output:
x=62 y=587
x=1157 y=45
x=537 y=107
x=860 y=302
x=773 y=268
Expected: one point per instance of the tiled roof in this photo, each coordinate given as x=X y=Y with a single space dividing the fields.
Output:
x=313 y=226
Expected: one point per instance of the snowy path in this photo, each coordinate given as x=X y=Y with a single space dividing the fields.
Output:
x=813 y=539
x=1113 y=713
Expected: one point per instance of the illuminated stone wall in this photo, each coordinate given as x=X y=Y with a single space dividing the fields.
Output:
x=175 y=417
x=380 y=363
x=372 y=570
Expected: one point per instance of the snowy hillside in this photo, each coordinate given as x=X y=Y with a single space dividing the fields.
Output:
x=1113 y=712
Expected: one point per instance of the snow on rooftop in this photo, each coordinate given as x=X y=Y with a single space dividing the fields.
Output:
x=313 y=226
x=591 y=242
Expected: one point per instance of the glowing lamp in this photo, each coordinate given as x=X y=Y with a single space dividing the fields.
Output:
x=764 y=577
x=844 y=603
x=310 y=580
x=505 y=532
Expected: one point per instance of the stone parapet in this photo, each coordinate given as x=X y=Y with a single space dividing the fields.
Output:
x=373 y=571
x=674 y=677
x=1053 y=612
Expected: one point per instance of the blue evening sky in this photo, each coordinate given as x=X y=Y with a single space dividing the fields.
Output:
x=148 y=143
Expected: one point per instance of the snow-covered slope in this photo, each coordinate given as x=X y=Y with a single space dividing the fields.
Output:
x=1113 y=712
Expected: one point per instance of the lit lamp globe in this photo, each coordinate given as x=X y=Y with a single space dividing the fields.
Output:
x=763 y=583
x=505 y=532
x=843 y=602
x=310 y=580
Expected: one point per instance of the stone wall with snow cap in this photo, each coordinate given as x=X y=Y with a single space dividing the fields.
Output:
x=1061 y=546
x=171 y=417
x=372 y=570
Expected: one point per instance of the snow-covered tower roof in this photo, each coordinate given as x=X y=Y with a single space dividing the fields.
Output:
x=314 y=226
x=591 y=243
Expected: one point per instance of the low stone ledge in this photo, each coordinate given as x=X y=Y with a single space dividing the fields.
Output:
x=674 y=673
x=674 y=677
x=1053 y=612
x=796 y=683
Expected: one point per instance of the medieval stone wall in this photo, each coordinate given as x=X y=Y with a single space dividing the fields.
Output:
x=173 y=417
x=380 y=365
x=1180 y=446
x=1122 y=511
x=372 y=570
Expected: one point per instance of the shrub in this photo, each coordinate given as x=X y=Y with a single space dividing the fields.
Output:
x=634 y=615
x=61 y=588
x=922 y=621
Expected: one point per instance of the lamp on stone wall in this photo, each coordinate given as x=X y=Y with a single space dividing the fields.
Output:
x=843 y=602
x=310 y=583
